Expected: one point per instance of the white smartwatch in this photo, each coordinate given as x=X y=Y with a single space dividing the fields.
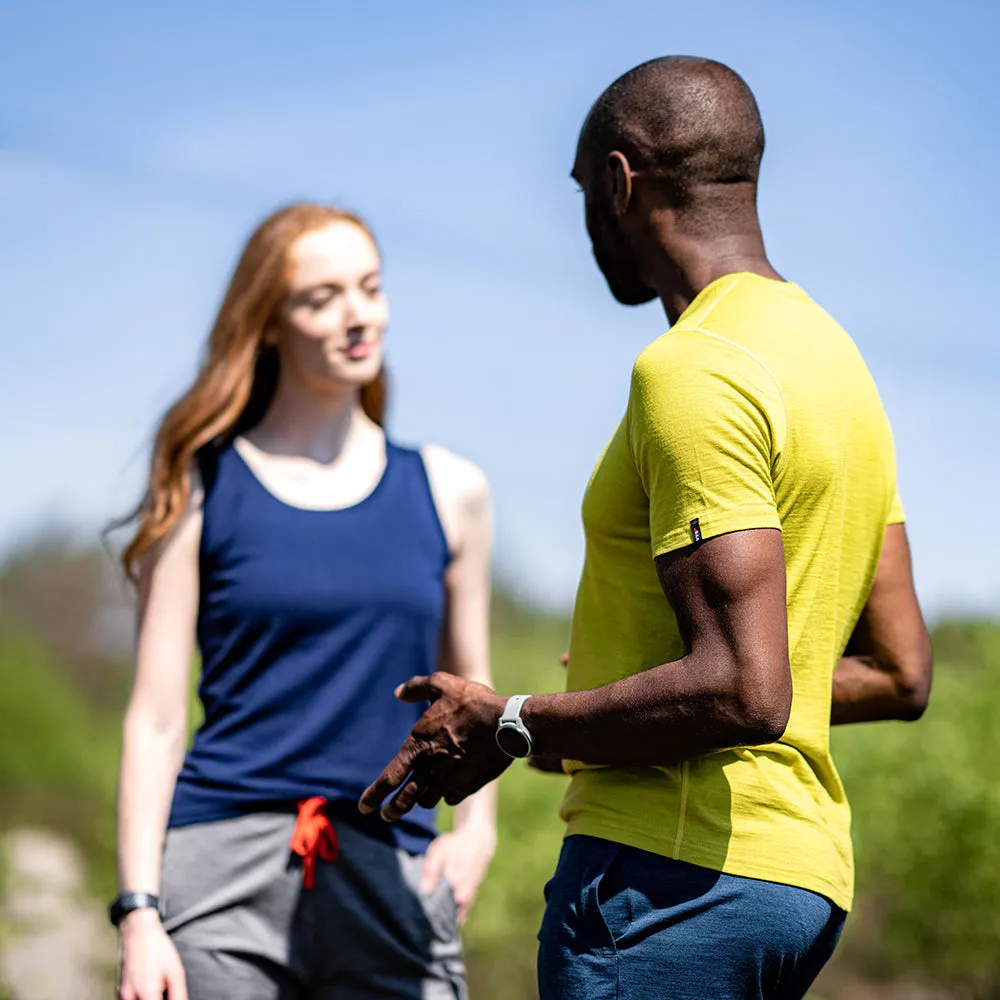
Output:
x=512 y=734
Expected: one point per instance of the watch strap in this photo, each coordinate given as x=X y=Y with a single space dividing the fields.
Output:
x=512 y=710
x=127 y=902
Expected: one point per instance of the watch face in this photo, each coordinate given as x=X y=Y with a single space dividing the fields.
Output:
x=513 y=742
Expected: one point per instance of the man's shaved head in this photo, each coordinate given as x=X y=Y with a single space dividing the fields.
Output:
x=692 y=122
x=690 y=129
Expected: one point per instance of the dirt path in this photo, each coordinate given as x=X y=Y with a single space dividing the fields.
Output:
x=55 y=944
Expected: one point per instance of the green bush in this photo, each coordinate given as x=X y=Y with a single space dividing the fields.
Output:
x=926 y=805
x=58 y=755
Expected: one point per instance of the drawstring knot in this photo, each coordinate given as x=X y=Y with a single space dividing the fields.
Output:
x=314 y=837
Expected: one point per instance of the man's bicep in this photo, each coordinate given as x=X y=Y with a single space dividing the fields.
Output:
x=728 y=596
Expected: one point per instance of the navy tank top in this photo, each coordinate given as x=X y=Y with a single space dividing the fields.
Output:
x=308 y=620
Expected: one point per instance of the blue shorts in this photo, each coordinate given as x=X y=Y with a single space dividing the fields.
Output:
x=624 y=924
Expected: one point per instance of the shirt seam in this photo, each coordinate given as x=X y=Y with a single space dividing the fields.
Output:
x=682 y=808
x=732 y=284
x=698 y=328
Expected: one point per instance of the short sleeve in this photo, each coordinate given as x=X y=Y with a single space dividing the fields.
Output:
x=705 y=430
x=896 y=512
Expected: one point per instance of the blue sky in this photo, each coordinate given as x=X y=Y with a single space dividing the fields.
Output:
x=139 y=144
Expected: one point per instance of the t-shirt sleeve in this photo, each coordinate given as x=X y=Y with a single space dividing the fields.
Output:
x=705 y=432
x=896 y=512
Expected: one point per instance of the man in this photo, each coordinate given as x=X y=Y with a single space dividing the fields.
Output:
x=747 y=582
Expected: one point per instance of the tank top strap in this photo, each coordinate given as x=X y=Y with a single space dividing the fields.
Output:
x=224 y=475
x=414 y=482
x=207 y=463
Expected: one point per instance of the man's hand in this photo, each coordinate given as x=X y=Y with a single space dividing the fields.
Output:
x=450 y=753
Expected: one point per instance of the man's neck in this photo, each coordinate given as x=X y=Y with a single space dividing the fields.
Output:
x=688 y=266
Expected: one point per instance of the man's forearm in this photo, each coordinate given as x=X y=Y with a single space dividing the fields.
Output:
x=661 y=717
x=865 y=692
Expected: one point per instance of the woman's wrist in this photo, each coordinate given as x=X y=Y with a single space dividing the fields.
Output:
x=139 y=921
x=479 y=826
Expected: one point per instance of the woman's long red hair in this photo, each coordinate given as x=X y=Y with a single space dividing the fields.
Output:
x=238 y=374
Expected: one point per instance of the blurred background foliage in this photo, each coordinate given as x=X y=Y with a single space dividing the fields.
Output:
x=925 y=797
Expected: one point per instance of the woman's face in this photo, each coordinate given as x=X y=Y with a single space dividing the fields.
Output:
x=329 y=328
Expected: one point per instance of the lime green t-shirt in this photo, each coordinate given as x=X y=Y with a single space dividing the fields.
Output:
x=754 y=411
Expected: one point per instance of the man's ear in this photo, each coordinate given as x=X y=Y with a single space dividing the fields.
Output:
x=619 y=182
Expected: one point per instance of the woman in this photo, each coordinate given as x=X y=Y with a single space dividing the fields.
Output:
x=317 y=565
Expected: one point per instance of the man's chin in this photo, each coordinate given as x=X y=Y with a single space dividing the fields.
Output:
x=623 y=279
x=632 y=295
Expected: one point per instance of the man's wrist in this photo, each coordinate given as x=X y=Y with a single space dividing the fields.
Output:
x=532 y=715
x=512 y=735
x=546 y=717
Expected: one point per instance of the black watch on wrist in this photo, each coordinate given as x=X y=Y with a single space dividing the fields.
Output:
x=129 y=901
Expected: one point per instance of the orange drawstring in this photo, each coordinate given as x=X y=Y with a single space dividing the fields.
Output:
x=314 y=836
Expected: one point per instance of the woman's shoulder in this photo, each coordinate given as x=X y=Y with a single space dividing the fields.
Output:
x=179 y=546
x=454 y=476
x=461 y=495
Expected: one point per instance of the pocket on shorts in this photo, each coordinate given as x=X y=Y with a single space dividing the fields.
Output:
x=612 y=897
x=175 y=894
x=438 y=905
x=210 y=867
x=441 y=909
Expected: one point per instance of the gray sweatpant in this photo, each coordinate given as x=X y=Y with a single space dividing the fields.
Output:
x=246 y=929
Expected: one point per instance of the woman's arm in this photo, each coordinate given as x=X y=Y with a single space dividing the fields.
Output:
x=462 y=496
x=154 y=738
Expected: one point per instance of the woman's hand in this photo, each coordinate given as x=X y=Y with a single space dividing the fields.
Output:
x=464 y=855
x=149 y=966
